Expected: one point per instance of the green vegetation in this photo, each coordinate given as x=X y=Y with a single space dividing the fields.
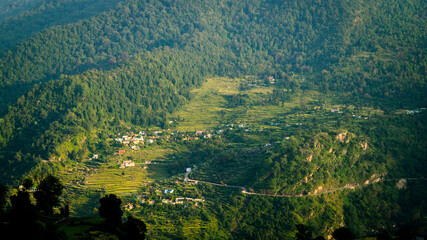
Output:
x=33 y=17
x=292 y=118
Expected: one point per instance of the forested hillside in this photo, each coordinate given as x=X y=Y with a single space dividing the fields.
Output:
x=323 y=84
x=10 y=8
x=20 y=20
x=301 y=36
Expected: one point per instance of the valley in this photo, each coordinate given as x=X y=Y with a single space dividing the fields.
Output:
x=158 y=165
x=219 y=119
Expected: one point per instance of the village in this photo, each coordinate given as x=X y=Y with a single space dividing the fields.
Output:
x=134 y=141
x=164 y=197
x=129 y=149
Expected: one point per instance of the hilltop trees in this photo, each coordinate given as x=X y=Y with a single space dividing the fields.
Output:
x=3 y=197
x=303 y=232
x=135 y=228
x=110 y=209
x=343 y=233
x=23 y=213
x=47 y=195
x=28 y=183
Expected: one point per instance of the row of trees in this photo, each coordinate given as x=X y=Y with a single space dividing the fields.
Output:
x=24 y=220
x=23 y=214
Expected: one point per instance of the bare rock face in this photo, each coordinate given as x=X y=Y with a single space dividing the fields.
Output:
x=343 y=137
x=374 y=179
x=364 y=145
x=318 y=190
x=402 y=184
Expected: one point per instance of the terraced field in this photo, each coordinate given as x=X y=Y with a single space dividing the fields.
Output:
x=208 y=107
x=118 y=181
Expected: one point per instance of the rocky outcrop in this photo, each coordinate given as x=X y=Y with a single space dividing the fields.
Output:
x=364 y=145
x=402 y=184
x=374 y=178
x=320 y=188
x=343 y=137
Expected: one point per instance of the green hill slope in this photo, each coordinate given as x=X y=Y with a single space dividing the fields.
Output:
x=23 y=19
x=300 y=73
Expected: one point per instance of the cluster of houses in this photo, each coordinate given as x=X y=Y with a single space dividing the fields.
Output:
x=126 y=164
x=94 y=157
x=166 y=191
x=271 y=80
x=355 y=116
x=336 y=110
x=171 y=200
x=135 y=140
x=31 y=189
x=182 y=200
x=132 y=141
x=415 y=111
x=359 y=117
x=255 y=83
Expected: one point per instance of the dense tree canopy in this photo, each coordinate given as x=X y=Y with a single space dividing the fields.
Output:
x=47 y=195
x=137 y=63
x=110 y=209
x=75 y=68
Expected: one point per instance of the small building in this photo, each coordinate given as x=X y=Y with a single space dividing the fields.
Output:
x=167 y=201
x=168 y=191
x=190 y=138
x=95 y=156
x=129 y=206
x=126 y=164
x=121 y=151
x=150 y=140
x=413 y=111
x=336 y=110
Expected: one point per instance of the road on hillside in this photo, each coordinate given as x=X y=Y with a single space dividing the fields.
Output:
x=244 y=191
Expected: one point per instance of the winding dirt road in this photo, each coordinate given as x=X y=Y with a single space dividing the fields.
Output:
x=244 y=191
